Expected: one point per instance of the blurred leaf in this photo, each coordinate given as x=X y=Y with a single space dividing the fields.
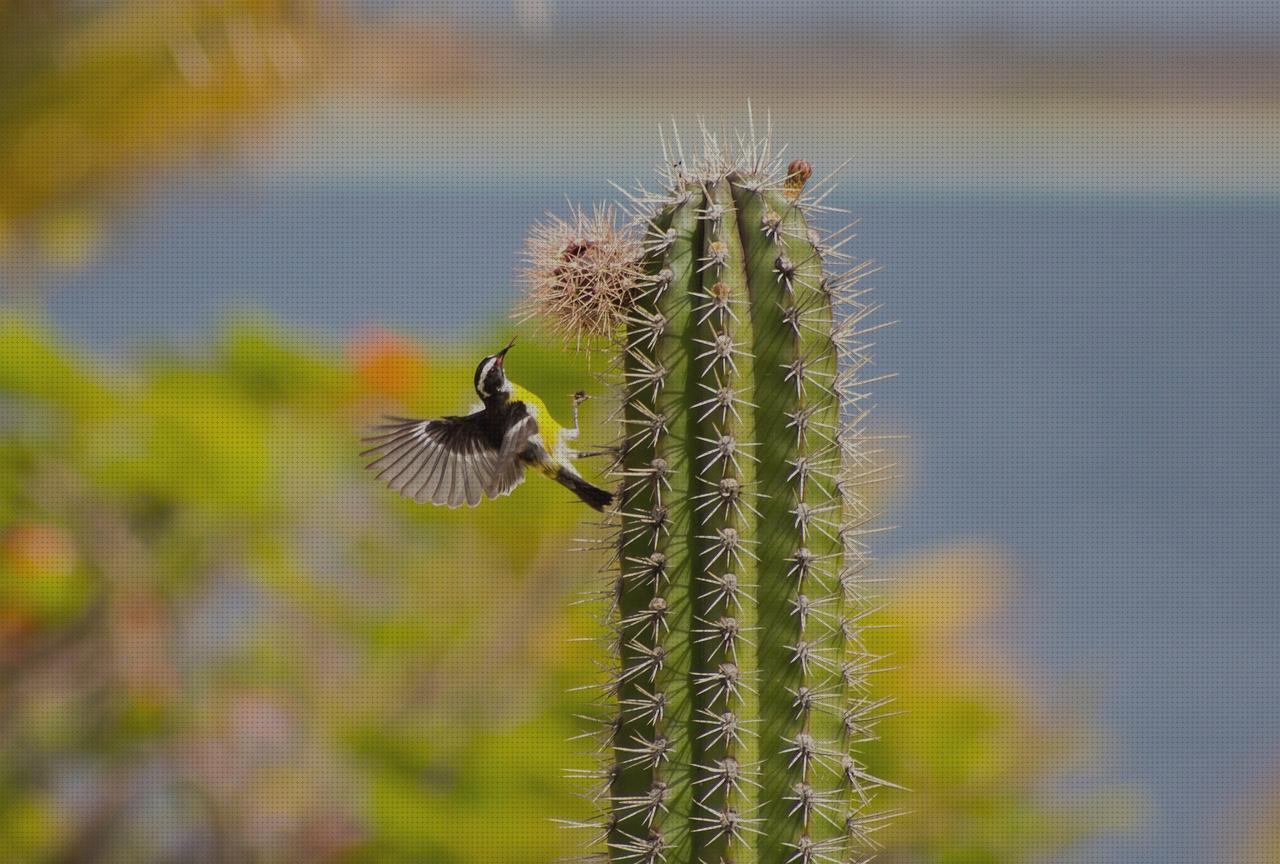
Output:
x=34 y=366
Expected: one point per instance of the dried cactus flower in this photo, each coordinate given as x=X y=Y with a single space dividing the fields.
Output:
x=580 y=272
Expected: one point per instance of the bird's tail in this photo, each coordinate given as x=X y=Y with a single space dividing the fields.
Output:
x=594 y=496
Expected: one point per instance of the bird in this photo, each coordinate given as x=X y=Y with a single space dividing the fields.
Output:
x=462 y=460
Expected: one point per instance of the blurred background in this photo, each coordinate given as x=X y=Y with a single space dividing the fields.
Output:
x=233 y=232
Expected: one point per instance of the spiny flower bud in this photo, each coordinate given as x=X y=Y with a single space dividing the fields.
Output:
x=580 y=273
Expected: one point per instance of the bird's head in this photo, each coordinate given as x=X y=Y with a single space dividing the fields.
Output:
x=490 y=377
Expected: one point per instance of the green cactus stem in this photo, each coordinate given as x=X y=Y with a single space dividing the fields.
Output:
x=741 y=689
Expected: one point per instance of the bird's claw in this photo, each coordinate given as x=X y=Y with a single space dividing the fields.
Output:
x=580 y=396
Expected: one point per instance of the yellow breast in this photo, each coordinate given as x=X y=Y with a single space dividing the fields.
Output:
x=548 y=428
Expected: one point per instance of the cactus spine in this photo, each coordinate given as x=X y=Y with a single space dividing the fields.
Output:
x=741 y=689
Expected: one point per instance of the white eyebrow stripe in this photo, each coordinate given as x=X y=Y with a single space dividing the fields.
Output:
x=483 y=372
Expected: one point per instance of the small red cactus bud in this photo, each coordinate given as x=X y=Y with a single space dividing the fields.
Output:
x=798 y=174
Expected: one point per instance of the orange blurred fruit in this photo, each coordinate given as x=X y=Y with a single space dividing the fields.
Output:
x=387 y=363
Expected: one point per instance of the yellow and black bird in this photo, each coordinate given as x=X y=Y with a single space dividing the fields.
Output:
x=456 y=460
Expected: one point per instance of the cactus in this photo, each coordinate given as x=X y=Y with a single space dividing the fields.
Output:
x=740 y=695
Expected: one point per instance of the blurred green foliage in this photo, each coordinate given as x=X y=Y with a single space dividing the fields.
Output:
x=95 y=95
x=208 y=608
x=220 y=640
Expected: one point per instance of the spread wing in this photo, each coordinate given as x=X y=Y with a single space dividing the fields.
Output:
x=449 y=461
x=508 y=469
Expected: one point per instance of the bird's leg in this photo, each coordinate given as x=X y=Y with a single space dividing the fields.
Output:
x=578 y=398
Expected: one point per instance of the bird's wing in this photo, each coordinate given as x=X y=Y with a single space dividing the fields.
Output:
x=448 y=461
x=508 y=469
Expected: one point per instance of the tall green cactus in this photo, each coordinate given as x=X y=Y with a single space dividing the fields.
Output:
x=741 y=692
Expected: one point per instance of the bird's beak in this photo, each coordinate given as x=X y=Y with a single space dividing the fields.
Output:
x=502 y=355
